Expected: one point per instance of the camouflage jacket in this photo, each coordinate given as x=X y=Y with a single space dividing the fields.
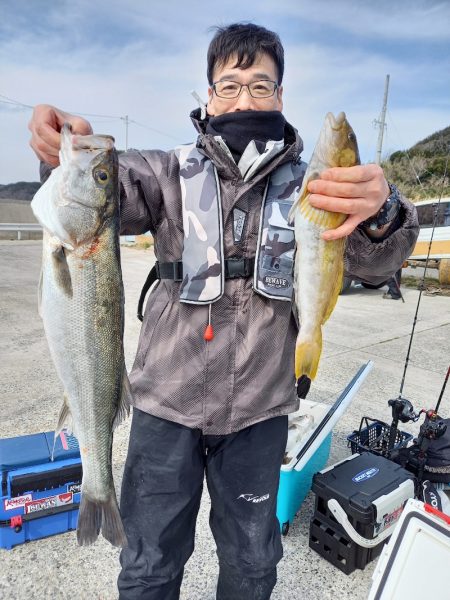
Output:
x=246 y=374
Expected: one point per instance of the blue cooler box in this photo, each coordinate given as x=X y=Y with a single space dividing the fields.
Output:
x=295 y=485
x=311 y=453
x=295 y=482
x=39 y=497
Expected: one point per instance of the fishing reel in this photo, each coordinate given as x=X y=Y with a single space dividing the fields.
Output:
x=414 y=457
x=402 y=410
x=432 y=428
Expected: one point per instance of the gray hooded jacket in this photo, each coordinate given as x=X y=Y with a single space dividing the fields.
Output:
x=246 y=373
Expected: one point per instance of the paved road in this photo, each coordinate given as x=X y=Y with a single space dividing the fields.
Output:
x=362 y=327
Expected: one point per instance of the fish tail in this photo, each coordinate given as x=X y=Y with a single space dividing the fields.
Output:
x=96 y=516
x=307 y=354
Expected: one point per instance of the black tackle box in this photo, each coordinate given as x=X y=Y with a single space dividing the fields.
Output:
x=367 y=494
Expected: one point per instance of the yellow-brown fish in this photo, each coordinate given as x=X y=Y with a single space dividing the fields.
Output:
x=319 y=264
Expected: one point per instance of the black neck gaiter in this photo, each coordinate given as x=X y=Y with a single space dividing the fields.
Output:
x=239 y=128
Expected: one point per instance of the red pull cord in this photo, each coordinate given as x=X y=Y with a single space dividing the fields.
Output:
x=209 y=333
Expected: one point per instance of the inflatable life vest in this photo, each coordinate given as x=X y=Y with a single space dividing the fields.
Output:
x=203 y=264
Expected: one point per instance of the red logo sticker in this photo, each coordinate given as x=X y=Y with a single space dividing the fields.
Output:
x=12 y=503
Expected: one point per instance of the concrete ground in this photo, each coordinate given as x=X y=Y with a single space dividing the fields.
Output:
x=362 y=327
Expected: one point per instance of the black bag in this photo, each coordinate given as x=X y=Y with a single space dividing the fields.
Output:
x=438 y=454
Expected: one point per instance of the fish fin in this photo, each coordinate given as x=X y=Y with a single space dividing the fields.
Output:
x=334 y=296
x=302 y=194
x=61 y=270
x=112 y=526
x=307 y=354
x=89 y=521
x=96 y=516
x=65 y=418
x=337 y=273
x=321 y=218
x=123 y=410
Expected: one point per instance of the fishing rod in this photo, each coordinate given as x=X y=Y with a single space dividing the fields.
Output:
x=402 y=409
x=442 y=391
x=422 y=284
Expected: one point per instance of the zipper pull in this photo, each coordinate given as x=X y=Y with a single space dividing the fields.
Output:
x=209 y=333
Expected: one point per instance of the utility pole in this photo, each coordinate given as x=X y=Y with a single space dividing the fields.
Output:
x=381 y=122
x=125 y=118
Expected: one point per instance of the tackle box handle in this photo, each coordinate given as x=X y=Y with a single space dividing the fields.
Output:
x=341 y=517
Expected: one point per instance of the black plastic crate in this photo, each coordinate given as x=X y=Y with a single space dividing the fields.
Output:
x=373 y=436
x=330 y=541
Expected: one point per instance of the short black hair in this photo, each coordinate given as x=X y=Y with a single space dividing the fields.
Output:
x=246 y=41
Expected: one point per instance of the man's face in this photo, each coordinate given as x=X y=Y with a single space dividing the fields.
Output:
x=263 y=68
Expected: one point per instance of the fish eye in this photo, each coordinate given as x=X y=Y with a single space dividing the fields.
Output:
x=101 y=176
x=351 y=136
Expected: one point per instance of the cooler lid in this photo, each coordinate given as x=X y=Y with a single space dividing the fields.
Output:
x=312 y=442
x=414 y=563
x=35 y=449
x=359 y=480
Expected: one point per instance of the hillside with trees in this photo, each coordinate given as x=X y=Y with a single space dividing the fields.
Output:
x=418 y=172
x=22 y=190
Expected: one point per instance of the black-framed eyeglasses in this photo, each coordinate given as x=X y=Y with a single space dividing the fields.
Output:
x=257 y=89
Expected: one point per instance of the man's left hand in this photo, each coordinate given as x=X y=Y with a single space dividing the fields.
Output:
x=358 y=192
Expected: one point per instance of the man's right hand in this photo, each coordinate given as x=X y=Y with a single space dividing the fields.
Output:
x=45 y=126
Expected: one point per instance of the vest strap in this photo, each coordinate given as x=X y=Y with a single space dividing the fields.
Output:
x=234 y=268
x=239 y=267
x=169 y=270
x=151 y=278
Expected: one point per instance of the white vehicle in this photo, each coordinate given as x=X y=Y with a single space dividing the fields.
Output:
x=440 y=247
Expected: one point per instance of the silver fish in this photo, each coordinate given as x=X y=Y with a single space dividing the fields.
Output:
x=319 y=264
x=82 y=307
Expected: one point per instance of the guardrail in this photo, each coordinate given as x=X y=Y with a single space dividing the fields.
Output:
x=22 y=227
x=19 y=227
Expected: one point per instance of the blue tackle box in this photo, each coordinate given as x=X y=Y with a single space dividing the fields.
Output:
x=310 y=454
x=39 y=497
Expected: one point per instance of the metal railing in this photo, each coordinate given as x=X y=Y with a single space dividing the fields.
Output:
x=20 y=227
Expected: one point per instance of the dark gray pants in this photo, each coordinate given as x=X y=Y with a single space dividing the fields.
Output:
x=161 y=492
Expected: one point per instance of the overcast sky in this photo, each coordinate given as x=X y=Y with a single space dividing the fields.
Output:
x=142 y=58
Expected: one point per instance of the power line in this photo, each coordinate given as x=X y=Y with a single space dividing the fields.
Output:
x=153 y=129
x=126 y=119
x=16 y=102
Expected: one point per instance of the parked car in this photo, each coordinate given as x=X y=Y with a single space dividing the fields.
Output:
x=440 y=247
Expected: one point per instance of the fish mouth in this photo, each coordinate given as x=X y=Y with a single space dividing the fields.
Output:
x=85 y=142
x=82 y=149
x=337 y=121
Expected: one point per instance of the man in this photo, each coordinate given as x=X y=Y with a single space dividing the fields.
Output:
x=219 y=402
